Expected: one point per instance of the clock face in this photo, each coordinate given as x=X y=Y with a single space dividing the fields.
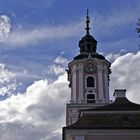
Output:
x=90 y=68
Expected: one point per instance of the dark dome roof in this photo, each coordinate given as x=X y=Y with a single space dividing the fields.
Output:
x=87 y=38
x=88 y=44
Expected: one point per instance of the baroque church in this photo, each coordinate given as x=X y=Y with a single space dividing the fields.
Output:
x=90 y=115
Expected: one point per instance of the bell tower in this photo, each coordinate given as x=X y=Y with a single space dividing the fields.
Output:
x=88 y=75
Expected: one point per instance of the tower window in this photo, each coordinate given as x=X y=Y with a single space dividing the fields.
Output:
x=90 y=82
x=90 y=98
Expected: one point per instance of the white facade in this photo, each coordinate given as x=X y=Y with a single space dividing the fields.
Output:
x=94 y=92
x=80 y=84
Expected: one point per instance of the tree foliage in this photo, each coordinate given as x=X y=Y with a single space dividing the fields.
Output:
x=138 y=27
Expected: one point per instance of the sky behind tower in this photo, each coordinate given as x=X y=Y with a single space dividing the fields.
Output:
x=37 y=40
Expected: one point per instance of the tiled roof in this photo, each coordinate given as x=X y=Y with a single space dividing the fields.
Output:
x=118 y=104
x=100 y=118
x=107 y=121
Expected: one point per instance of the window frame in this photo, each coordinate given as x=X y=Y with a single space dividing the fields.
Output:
x=86 y=82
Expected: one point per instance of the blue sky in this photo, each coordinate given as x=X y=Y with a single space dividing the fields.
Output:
x=113 y=24
x=37 y=40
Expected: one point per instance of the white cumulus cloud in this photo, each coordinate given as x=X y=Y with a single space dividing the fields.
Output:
x=38 y=114
x=61 y=60
x=126 y=75
x=59 y=66
x=111 y=57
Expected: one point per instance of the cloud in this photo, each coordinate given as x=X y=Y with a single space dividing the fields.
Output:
x=25 y=37
x=55 y=69
x=8 y=83
x=125 y=74
x=5 y=27
x=111 y=57
x=38 y=114
x=61 y=60
x=58 y=67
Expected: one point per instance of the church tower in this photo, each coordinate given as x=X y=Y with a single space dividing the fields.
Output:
x=90 y=115
x=88 y=75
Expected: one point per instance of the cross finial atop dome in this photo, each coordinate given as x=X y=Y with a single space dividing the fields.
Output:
x=87 y=24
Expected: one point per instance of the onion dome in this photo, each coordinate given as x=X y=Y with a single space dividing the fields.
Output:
x=87 y=44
